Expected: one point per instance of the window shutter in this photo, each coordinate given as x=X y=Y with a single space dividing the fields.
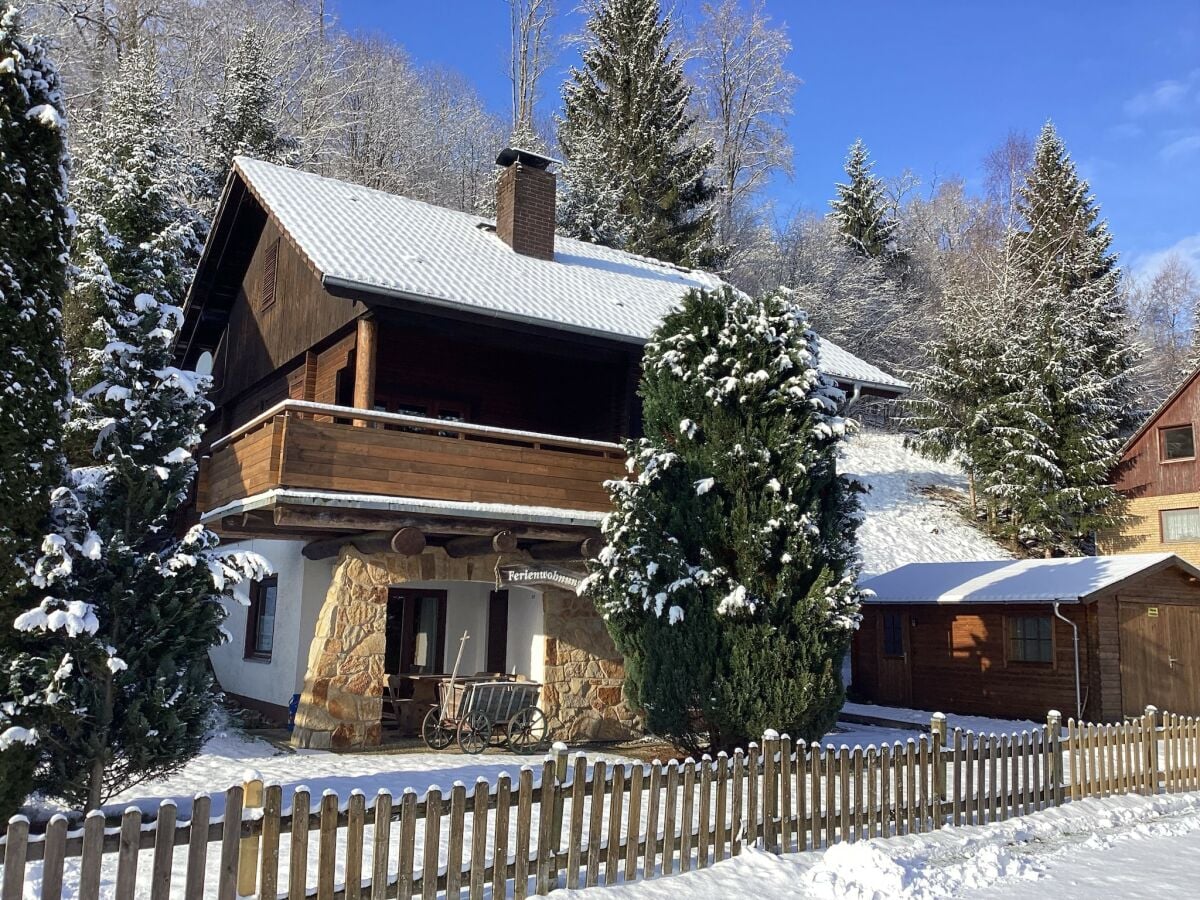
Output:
x=270 y=268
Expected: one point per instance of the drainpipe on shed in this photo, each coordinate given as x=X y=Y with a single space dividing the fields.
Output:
x=1075 y=633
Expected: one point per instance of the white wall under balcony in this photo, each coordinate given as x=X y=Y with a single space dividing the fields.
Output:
x=302 y=587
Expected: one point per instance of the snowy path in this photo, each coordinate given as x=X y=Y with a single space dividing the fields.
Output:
x=900 y=524
x=1119 y=847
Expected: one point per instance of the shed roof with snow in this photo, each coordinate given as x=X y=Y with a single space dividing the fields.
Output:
x=369 y=240
x=1066 y=580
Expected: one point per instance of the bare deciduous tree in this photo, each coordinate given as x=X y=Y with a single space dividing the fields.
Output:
x=529 y=23
x=746 y=92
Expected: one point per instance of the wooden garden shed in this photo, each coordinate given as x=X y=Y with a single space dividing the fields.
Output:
x=1100 y=637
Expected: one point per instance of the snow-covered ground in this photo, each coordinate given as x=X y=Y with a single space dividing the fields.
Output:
x=901 y=524
x=1118 y=847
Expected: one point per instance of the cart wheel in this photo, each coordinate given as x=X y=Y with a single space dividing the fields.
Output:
x=474 y=733
x=528 y=731
x=436 y=735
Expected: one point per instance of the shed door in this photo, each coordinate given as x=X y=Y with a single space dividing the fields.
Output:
x=895 y=659
x=1160 y=658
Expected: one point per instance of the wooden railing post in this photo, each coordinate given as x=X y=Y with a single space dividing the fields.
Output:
x=16 y=847
x=252 y=798
x=1052 y=746
x=1150 y=730
x=937 y=735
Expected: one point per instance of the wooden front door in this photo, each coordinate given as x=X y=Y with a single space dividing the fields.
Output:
x=1160 y=658
x=895 y=659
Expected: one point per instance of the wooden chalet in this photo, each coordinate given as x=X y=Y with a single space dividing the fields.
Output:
x=1159 y=478
x=416 y=410
x=1096 y=637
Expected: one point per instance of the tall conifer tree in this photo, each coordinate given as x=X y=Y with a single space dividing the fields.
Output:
x=861 y=208
x=33 y=384
x=728 y=579
x=628 y=136
x=141 y=604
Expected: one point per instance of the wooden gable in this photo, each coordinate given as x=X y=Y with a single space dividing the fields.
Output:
x=1143 y=470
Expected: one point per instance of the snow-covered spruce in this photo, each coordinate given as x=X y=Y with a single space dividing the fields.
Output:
x=136 y=597
x=728 y=579
x=861 y=209
x=1031 y=383
x=242 y=120
x=636 y=176
x=34 y=229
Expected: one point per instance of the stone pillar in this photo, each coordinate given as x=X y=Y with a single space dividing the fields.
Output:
x=584 y=673
x=342 y=700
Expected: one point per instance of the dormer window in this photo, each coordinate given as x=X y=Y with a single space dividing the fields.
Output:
x=1177 y=443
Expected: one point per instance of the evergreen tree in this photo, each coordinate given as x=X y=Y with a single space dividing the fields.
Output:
x=141 y=604
x=1066 y=248
x=728 y=578
x=33 y=383
x=135 y=232
x=627 y=130
x=861 y=208
x=241 y=122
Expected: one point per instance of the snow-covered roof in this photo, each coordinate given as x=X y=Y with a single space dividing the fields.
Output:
x=357 y=237
x=1067 y=580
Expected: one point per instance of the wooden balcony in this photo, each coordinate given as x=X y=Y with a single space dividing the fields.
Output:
x=300 y=445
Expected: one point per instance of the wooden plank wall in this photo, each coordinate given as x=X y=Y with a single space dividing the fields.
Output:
x=1141 y=472
x=261 y=341
x=958 y=660
x=245 y=467
x=336 y=457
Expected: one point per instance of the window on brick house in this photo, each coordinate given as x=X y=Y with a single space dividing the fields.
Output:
x=1177 y=443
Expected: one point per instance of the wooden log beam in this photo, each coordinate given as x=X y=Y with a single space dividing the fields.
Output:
x=499 y=542
x=405 y=541
x=588 y=548
x=364 y=365
x=321 y=518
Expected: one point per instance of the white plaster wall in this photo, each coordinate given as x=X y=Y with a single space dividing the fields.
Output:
x=302 y=587
x=526 y=634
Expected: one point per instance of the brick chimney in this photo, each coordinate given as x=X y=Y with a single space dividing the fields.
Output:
x=525 y=202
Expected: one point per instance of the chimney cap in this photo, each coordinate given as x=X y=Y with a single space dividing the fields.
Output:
x=510 y=155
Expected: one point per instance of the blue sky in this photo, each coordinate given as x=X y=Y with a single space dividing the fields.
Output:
x=931 y=87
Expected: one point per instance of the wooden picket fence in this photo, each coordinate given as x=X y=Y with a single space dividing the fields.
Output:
x=584 y=824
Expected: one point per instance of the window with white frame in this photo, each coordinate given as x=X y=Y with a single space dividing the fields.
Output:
x=1180 y=525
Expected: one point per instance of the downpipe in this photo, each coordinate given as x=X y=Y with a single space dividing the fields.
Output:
x=1075 y=635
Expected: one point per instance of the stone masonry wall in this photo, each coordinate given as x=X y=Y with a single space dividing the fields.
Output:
x=341 y=703
x=584 y=673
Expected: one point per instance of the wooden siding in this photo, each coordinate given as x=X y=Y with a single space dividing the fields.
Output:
x=1142 y=473
x=247 y=466
x=957 y=659
x=337 y=456
x=1141 y=531
x=261 y=340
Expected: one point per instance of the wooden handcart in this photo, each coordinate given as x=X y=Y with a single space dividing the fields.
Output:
x=475 y=712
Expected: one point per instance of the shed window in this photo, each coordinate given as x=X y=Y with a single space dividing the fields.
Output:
x=260 y=624
x=1178 y=443
x=893 y=634
x=1180 y=525
x=1029 y=639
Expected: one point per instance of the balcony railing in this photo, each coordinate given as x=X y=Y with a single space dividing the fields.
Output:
x=315 y=446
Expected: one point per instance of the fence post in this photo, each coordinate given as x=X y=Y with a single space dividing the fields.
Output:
x=561 y=767
x=15 y=851
x=937 y=734
x=252 y=798
x=1150 y=729
x=1053 y=746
